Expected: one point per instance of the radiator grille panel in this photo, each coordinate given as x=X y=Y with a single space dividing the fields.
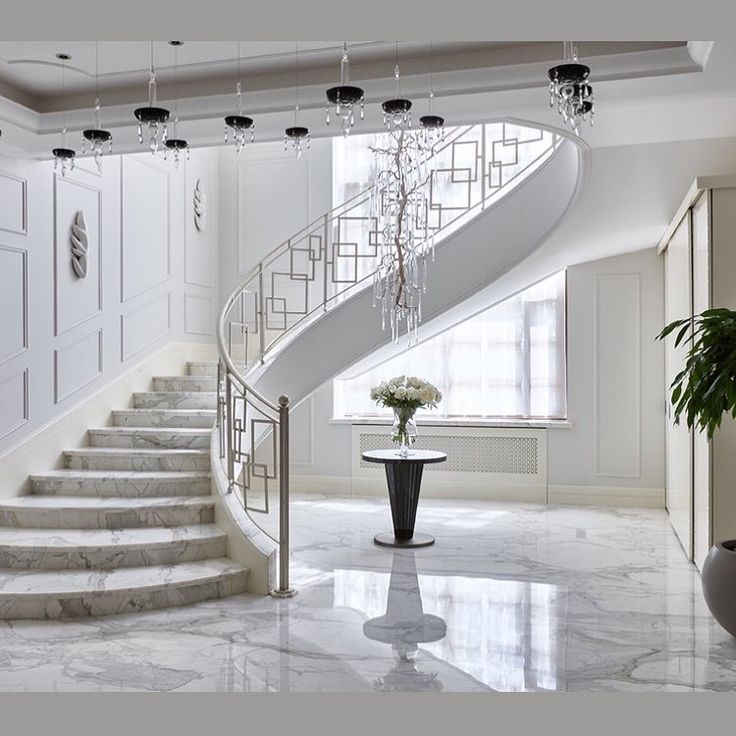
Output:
x=510 y=455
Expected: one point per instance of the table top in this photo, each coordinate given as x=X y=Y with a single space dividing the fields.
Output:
x=415 y=456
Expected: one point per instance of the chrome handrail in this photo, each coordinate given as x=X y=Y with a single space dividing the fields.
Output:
x=248 y=422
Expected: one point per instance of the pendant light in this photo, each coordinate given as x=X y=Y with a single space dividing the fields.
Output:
x=345 y=96
x=153 y=117
x=176 y=145
x=396 y=111
x=63 y=157
x=570 y=89
x=97 y=137
x=239 y=124
x=297 y=135
x=432 y=125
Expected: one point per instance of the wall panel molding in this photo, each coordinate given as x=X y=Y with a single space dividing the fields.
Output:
x=67 y=286
x=198 y=315
x=12 y=185
x=13 y=303
x=14 y=411
x=617 y=376
x=77 y=364
x=142 y=326
x=137 y=238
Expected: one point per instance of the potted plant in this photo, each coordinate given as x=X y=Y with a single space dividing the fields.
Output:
x=703 y=392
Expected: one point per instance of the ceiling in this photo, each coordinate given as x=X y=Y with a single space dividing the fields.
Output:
x=30 y=73
x=659 y=90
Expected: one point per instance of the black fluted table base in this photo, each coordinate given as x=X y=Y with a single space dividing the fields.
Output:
x=404 y=478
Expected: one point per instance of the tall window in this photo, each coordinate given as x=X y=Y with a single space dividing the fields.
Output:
x=508 y=361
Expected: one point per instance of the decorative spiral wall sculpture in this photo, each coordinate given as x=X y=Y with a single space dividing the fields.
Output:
x=200 y=207
x=79 y=243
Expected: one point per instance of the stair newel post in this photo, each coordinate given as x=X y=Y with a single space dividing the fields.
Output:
x=284 y=591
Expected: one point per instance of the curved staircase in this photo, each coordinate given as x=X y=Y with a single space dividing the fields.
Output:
x=127 y=524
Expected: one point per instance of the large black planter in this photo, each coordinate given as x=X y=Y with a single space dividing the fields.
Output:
x=719 y=583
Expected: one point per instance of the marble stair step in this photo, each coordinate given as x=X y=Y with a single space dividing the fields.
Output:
x=121 y=483
x=149 y=437
x=184 y=383
x=196 y=418
x=175 y=400
x=82 y=512
x=104 y=549
x=136 y=459
x=202 y=368
x=53 y=594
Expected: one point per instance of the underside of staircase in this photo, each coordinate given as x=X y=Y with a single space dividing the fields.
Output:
x=127 y=524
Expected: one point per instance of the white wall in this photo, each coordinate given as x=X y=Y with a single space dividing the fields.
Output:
x=266 y=196
x=152 y=277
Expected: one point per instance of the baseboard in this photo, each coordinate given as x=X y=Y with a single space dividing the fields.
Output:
x=431 y=488
x=42 y=449
x=652 y=498
x=333 y=485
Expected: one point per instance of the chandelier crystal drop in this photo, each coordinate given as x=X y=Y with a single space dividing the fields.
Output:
x=96 y=137
x=345 y=97
x=64 y=158
x=397 y=111
x=401 y=181
x=176 y=146
x=152 y=119
x=297 y=136
x=433 y=126
x=98 y=140
x=570 y=89
x=239 y=125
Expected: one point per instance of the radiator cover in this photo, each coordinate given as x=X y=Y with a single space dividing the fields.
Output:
x=500 y=463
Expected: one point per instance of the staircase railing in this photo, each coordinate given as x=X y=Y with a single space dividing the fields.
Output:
x=324 y=263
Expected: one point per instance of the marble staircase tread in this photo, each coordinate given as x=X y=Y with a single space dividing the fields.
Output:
x=130 y=483
x=184 y=383
x=175 y=399
x=45 y=594
x=92 y=512
x=22 y=548
x=136 y=459
x=162 y=437
x=161 y=417
x=202 y=368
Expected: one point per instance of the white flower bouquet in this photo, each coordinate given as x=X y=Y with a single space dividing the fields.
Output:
x=405 y=394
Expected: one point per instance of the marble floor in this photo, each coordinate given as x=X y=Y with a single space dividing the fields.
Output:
x=511 y=598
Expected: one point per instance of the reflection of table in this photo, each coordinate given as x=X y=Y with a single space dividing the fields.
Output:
x=404 y=477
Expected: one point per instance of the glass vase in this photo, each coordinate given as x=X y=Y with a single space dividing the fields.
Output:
x=404 y=429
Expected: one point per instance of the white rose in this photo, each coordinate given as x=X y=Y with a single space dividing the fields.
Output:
x=400 y=393
x=425 y=395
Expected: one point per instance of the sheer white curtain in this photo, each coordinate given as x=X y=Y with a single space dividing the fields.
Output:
x=508 y=361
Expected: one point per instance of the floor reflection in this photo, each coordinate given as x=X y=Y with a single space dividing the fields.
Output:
x=507 y=634
x=404 y=626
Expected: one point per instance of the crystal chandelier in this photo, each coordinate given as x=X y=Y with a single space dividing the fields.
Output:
x=177 y=146
x=153 y=117
x=345 y=96
x=433 y=126
x=239 y=124
x=570 y=89
x=296 y=135
x=63 y=157
x=396 y=111
x=398 y=204
x=97 y=137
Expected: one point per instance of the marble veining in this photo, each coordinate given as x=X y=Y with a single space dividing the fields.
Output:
x=512 y=598
x=175 y=399
x=163 y=438
x=196 y=418
x=136 y=459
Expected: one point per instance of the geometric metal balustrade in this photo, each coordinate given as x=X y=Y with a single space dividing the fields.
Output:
x=324 y=263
